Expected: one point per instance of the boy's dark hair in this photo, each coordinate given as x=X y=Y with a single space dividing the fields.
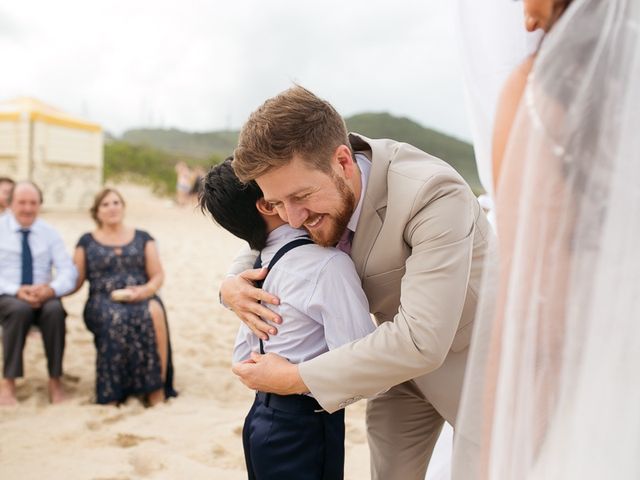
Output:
x=232 y=204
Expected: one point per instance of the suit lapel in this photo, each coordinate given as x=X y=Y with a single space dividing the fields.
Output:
x=375 y=200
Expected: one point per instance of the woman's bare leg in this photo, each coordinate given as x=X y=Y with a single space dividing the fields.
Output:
x=160 y=327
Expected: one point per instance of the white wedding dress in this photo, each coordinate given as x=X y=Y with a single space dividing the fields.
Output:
x=551 y=390
x=492 y=42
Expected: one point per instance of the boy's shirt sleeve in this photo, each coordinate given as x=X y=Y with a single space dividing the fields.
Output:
x=339 y=302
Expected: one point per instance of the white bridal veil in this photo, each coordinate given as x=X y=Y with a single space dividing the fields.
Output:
x=493 y=41
x=552 y=389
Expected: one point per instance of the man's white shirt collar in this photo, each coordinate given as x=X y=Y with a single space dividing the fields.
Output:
x=365 y=169
x=14 y=226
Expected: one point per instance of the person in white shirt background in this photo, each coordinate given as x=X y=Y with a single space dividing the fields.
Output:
x=6 y=185
x=29 y=294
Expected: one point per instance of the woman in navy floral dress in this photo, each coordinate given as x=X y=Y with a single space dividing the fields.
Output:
x=123 y=311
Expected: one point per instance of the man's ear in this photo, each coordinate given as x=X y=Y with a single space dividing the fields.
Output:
x=265 y=208
x=344 y=162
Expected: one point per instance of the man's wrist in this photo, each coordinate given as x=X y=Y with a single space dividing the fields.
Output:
x=299 y=386
x=149 y=291
x=220 y=299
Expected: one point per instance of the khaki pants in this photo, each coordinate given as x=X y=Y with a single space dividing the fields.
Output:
x=403 y=424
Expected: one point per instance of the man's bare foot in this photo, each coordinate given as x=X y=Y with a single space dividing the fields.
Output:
x=56 y=392
x=8 y=392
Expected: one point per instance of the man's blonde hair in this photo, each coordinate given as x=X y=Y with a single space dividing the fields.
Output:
x=295 y=122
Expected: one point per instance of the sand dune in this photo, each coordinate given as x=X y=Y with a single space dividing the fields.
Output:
x=194 y=436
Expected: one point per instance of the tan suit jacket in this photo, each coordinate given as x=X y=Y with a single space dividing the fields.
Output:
x=419 y=248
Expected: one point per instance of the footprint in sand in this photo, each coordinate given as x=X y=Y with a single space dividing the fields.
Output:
x=225 y=457
x=67 y=377
x=144 y=464
x=111 y=478
x=128 y=440
x=128 y=410
x=113 y=419
x=222 y=454
x=93 y=425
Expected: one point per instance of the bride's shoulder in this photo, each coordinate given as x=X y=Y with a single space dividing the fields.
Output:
x=516 y=82
x=507 y=109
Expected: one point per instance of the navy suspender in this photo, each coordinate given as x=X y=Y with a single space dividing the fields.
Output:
x=279 y=254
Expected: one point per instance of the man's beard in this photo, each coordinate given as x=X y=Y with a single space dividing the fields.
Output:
x=340 y=219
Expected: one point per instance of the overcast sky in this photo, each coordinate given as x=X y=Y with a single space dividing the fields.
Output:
x=204 y=65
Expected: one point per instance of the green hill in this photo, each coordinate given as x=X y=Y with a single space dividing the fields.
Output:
x=177 y=142
x=457 y=153
x=170 y=145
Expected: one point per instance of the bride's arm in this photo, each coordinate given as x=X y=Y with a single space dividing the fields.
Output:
x=508 y=103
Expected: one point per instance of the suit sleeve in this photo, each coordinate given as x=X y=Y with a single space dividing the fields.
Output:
x=433 y=290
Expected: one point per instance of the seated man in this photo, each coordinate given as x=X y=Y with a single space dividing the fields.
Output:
x=325 y=308
x=29 y=248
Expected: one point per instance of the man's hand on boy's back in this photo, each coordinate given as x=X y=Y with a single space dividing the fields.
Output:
x=238 y=293
x=270 y=373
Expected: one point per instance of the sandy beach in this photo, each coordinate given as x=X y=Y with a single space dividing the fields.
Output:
x=198 y=434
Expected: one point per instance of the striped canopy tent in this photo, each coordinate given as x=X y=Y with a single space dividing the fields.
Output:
x=61 y=153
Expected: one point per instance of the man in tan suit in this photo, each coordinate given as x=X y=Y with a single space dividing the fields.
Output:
x=419 y=240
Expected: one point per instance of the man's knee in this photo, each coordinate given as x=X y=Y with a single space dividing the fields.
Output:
x=54 y=307
x=53 y=312
x=16 y=309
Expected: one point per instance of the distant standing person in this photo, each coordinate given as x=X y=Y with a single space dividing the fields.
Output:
x=183 y=183
x=6 y=185
x=29 y=293
x=196 y=186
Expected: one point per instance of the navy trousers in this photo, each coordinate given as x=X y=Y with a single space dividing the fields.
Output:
x=292 y=438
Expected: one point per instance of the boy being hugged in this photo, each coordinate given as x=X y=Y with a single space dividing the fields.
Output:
x=322 y=307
